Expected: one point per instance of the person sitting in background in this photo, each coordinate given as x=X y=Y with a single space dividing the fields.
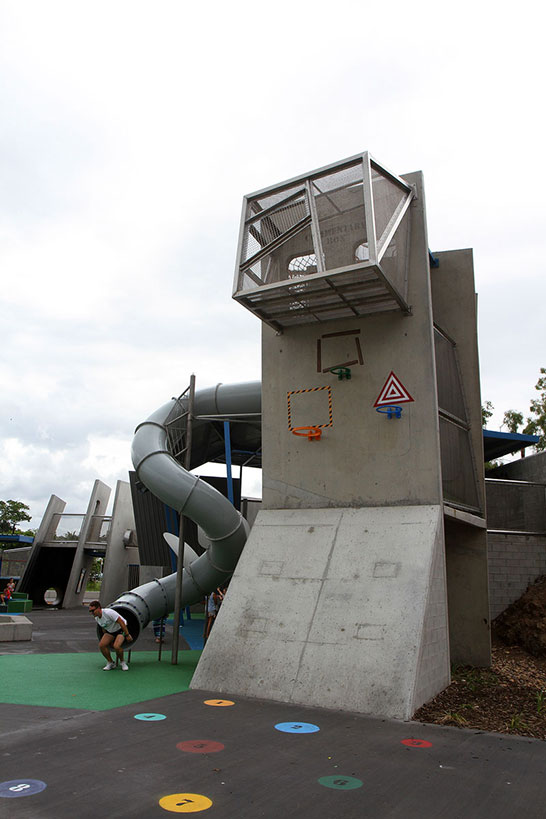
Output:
x=5 y=596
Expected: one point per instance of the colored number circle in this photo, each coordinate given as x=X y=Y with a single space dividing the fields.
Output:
x=417 y=743
x=297 y=727
x=220 y=703
x=185 y=802
x=21 y=787
x=340 y=783
x=200 y=746
x=150 y=717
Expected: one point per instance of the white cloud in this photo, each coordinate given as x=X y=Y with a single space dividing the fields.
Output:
x=130 y=133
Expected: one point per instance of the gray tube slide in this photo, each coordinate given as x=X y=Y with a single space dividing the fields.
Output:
x=168 y=480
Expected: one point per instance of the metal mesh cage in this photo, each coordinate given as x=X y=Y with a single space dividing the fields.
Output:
x=266 y=227
x=450 y=391
x=302 y=265
x=176 y=427
x=394 y=261
x=388 y=199
x=458 y=473
x=308 y=247
x=339 y=202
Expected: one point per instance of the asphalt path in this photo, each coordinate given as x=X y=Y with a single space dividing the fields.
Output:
x=228 y=756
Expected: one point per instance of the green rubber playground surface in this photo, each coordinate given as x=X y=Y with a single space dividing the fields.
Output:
x=78 y=681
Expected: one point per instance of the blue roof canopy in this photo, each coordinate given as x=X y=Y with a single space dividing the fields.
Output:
x=22 y=539
x=497 y=444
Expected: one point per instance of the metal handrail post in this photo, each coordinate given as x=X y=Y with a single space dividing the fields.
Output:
x=227 y=449
x=180 y=563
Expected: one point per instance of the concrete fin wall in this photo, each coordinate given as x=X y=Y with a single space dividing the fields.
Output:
x=89 y=531
x=331 y=607
x=117 y=556
x=433 y=671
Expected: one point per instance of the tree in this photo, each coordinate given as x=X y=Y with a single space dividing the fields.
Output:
x=11 y=513
x=487 y=412
x=536 y=423
x=512 y=420
x=68 y=536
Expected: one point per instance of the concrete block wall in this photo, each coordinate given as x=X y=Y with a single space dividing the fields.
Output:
x=530 y=468
x=516 y=536
x=516 y=506
x=515 y=561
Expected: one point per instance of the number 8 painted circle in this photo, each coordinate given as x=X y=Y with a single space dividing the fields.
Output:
x=14 y=788
x=185 y=802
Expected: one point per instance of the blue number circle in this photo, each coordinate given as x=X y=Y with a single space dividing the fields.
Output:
x=150 y=717
x=21 y=787
x=297 y=727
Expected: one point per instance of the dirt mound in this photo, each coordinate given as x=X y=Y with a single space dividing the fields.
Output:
x=524 y=622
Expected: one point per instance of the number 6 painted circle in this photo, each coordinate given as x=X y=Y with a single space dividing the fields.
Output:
x=185 y=802
x=416 y=743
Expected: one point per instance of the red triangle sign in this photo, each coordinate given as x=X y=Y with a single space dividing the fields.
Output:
x=393 y=392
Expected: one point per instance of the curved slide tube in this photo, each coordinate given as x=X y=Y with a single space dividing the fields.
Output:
x=190 y=496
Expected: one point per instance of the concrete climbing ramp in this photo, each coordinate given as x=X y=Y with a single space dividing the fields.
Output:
x=343 y=608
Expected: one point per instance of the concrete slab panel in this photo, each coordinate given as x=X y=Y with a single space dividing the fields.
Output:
x=14 y=628
x=328 y=607
x=311 y=534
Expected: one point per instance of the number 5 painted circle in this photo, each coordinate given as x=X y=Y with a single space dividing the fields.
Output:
x=200 y=746
x=185 y=802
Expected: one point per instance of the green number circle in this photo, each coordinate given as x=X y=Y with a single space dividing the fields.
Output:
x=340 y=782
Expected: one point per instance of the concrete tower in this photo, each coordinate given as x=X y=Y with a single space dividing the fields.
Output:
x=371 y=431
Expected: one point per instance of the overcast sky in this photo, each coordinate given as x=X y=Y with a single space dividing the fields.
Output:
x=130 y=132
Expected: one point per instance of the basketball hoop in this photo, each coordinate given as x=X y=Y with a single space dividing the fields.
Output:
x=311 y=433
x=390 y=412
x=342 y=372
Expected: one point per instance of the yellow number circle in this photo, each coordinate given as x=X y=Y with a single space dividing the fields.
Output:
x=185 y=802
x=219 y=703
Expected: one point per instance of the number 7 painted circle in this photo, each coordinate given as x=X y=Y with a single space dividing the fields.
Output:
x=185 y=802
